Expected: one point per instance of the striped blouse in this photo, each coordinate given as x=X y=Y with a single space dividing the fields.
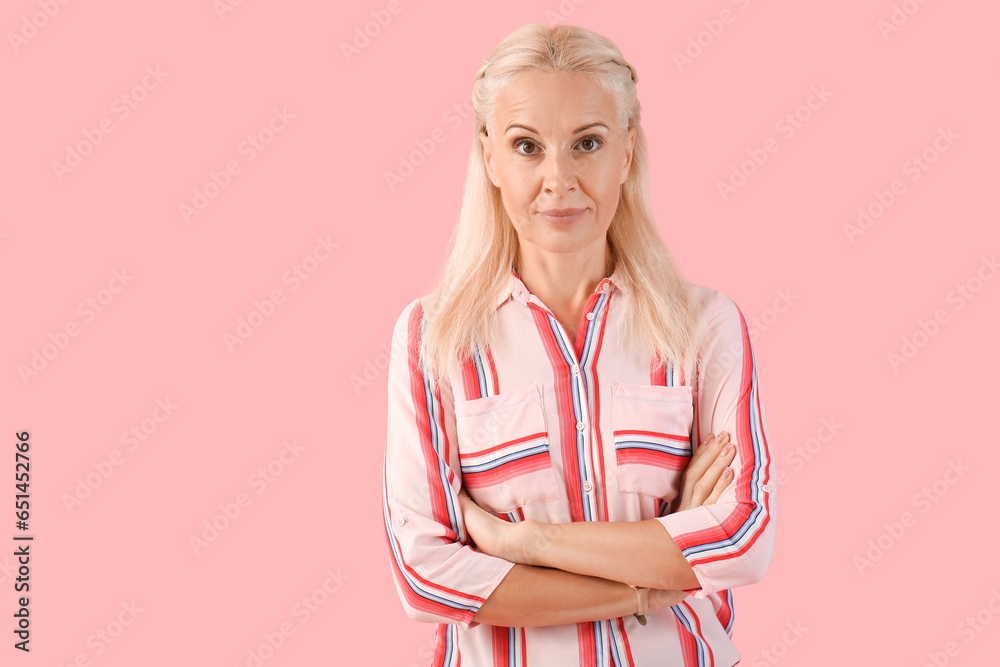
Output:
x=538 y=426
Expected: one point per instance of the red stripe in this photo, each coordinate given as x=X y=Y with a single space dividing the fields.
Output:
x=493 y=370
x=597 y=403
x=628 y=647
x=697 y=628
x=744 y=442
x=418 y=602
x=586 y=643
x=725 y=612
x=533 y=436
x=652 y=458
x=440 y=645
x=470 y=379
x=563 y=377
x=476 y=480
x=671 y=436
x=436 y=489
x=689 y=645
x=500 y=649
x=524 y=647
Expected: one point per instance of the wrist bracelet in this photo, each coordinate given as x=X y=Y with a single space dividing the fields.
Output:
x=642 y=600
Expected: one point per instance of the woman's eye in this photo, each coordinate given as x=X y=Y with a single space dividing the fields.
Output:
x=520 y=143
x=590 y=144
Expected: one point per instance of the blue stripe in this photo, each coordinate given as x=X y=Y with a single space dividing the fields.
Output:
x=758 y=505
x=643 y=444
x=680 y=614
x=599 y=642
x=505 y=459
x=429 y=404
x=570 y=359
x=478 y=363
x=732 y=612
x=450 y=643
x=411 y=582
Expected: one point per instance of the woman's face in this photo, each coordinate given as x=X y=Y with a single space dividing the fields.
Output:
x=559 y=159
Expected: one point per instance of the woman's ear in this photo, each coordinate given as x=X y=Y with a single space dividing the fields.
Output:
x=488 y=156
x=629 y=146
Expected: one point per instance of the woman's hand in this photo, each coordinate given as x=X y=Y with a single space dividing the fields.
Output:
x=705 y=478
x=660 y=598
x=707 y=474
x=490 y=534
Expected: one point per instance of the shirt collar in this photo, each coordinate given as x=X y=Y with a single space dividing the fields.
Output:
x=516 y=288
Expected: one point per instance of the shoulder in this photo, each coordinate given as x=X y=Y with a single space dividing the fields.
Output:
x=413 y=318
x=711 y=304
x=718 y=317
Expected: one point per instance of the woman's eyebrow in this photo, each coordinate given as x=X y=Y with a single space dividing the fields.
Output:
x=576 y=131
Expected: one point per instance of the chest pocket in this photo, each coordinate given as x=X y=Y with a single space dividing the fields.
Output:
x=652 y=434
x=503 y=445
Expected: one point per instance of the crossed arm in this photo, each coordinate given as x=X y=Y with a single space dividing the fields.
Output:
x=583 y=571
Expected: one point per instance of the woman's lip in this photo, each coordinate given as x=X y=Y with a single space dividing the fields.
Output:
x=559 y=212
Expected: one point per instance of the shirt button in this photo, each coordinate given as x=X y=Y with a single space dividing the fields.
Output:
x=400 y=521
x=580 y=426
x=765 y=488
x=576 y=369
x=590 y=316
x=605 y=287
x=588 y=487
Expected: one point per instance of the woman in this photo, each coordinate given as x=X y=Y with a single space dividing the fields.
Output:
x=545 y=496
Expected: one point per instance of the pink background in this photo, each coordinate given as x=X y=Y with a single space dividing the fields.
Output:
x=301 y=374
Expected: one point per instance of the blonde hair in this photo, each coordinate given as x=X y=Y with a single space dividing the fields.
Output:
x=658 y=311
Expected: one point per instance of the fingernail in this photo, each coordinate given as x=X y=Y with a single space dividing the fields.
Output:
x=727 y=448
x=727 y=473
x=720 y=437
x=708 y=440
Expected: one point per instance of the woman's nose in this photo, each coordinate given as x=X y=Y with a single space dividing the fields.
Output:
x=560 y=173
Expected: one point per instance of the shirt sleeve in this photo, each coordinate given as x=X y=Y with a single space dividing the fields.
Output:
x=730 y=543
x=438 y=576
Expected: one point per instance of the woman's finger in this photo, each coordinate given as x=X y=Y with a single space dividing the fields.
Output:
x=701 y=462
x=705 y=486
x=725 y=479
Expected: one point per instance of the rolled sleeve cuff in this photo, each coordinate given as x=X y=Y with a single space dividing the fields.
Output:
x=678 y=524
x=499 y=571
